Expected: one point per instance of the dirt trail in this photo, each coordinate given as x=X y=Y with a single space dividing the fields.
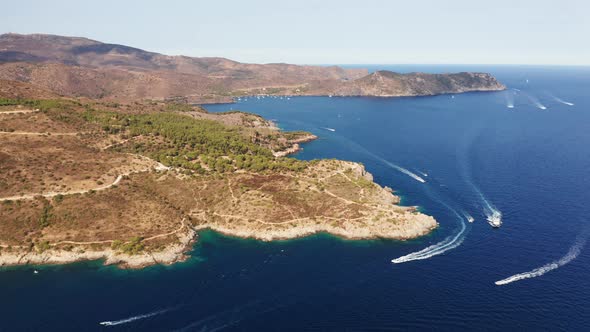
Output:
x=158 y=167
x=19 y=112
x=36 y=133
x=71 y=192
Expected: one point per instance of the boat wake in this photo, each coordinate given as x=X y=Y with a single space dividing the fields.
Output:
x=493 y=215
x=570 y=256
x=231 y=317
x=494 y=218
x=509 y=95
x=403 y=170
x=330 y=129
x=535 y=101
x=424 y=174
x=392 y=165
x=468 y=216
x=133 y=319
x=445 y=245
x=563 y=101
x=449 y=243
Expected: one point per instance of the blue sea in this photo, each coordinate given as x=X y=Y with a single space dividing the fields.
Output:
x=530 y=162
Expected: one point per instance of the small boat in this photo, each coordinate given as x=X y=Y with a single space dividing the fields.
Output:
x=470 y=219
x=36 y=272
x=495 y=220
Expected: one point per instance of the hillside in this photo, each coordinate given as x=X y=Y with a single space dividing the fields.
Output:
x=71 y=66
x=61 y=64
x=390 y=84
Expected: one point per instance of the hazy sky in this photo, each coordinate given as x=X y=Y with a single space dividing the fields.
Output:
x=322 y=32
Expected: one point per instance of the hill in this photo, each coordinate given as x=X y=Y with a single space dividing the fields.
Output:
x=73 y=66
x=390 y=84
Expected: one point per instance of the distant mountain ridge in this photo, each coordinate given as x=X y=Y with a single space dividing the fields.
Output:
x=75 y=66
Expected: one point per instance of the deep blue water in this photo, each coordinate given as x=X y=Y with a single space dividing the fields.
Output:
x=530 y=164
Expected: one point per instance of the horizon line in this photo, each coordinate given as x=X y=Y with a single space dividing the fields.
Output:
x=164 y=52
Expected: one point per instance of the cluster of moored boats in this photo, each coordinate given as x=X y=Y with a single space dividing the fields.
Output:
x=238 y=99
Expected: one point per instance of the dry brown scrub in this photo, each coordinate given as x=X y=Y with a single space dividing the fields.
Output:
x=152 y=214
x=32 y=122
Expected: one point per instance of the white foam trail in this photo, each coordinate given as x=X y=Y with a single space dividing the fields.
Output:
x=132 y=319
x=563 y=101
x=491 y=212
x=535 y=101
x=570 y=256
x=330 y=129
x=509 y=99
x=488 y=208
x=422 y=173
x=445 y=245
x=436 y=249
x=392 y=165
x=468 y=216
x=405 y=171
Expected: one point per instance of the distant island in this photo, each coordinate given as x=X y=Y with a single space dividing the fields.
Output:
x=80 y=67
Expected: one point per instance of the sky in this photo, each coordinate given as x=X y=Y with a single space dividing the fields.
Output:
x=325 y=32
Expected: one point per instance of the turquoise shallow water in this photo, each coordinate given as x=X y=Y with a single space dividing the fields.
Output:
x=530 y=164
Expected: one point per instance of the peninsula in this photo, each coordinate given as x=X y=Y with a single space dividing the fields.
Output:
x=133 y=183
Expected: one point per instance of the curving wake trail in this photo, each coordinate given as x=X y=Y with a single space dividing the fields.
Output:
x=132 y=319
x=447 y=244
x=570 y=256
x=443 y=246
x=434 y=250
